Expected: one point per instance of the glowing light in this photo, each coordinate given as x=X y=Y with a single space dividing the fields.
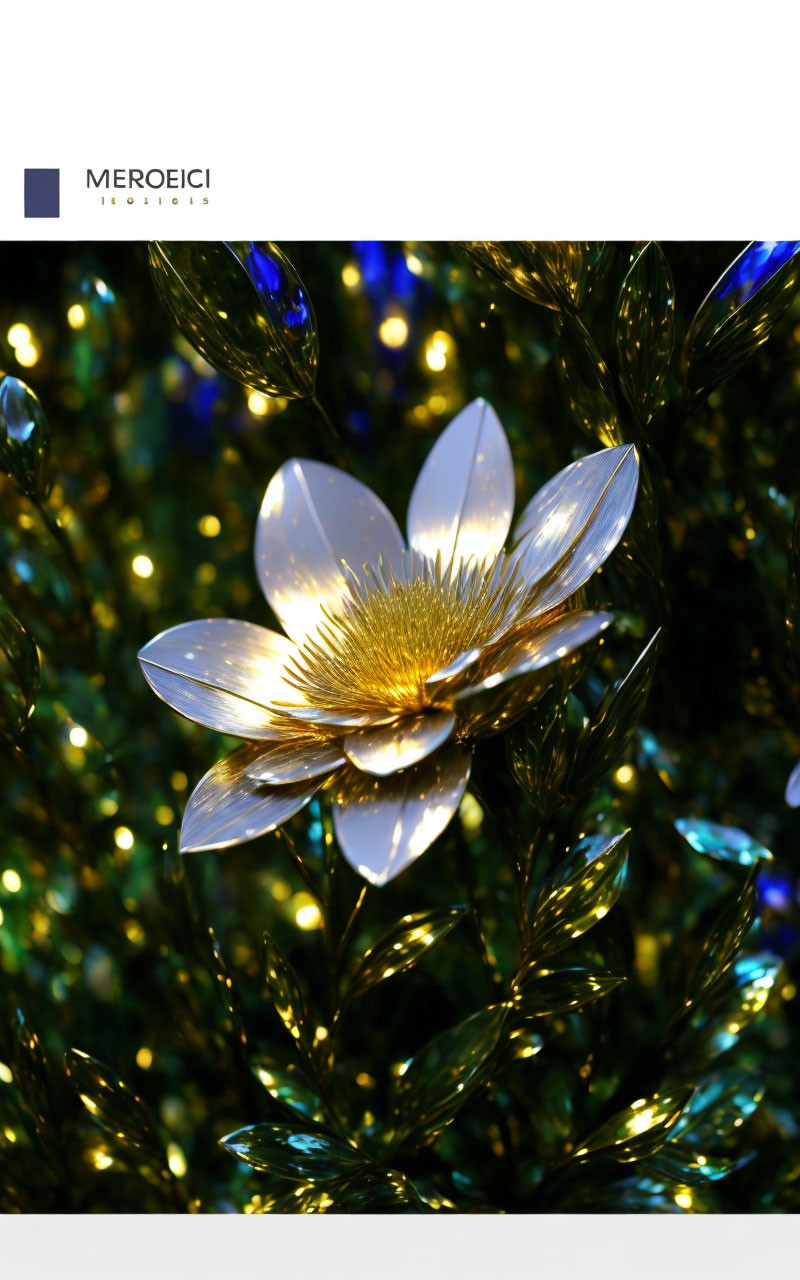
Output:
x=437 y=349
x=471 y=814
x=108 y=806
x=179 y=780
x=257 y=404
x=144 y=1058
x=307 y=914
x=76 y=316
x=164 y=815
x=209 y=526
x=321 y=1033
x=142 y=566
x=5 y=1073
x=2 y=917
x=624 y=775
x=123 y=838
x=393 y=331
x=78 y=736
x=19 y=335
x=414 y=265
x=176 y=1160
x=11 y=881
x=27 y=355
x=683 y=1199
x=101 y=1160
x=351 y=276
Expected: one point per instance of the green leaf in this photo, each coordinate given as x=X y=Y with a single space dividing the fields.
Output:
x=110 y=1102
x=543 y=991
x=287 y=1085
x=614 y=723
x=301 y=1156
x=721 y=1103
x=722 y=1016
x=439 y=1079
x=234 y=1025
x=589 y=884
x=739 y=312
x=402 y=946
x=29 y=1069
x=684 y=1165
x=639 y=1130
x=284 y=988
x=724 y=940
x=553 y=273
x=24 y=438
x=726 y=844
x=243 y=306
x=538 y=753
x=587 y=381
x=20 y=675
x=646 y=330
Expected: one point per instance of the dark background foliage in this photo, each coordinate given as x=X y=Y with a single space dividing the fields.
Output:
x=105 y=942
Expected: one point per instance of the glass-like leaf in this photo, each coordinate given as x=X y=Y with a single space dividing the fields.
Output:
x=639 y=1130
x=20 y=674
x=719 y=1020
x=725 y=940
x=614 y=722
x=284 y=989
x=402 y=946
x=683 y=1164
x=726 y=844
x=543 y=991
x=553 y=273
x=646 y=329
x=740 y=311
x=110 y=1102
x=31 y=1078
x=588 y=886
x=243 y=306
x=721 y=1103
x=588 y=384
x=538 y=752
x=286 y=1084
x=24 y=437
x=301 y=1156
x=227 y=992
x=445 y=1072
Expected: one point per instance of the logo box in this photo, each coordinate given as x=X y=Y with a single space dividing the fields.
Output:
x=42 y=193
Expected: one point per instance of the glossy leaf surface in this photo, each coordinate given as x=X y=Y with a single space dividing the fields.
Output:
x=588 y=885
x=279 y=1149
x=613 y=724
x=243 y=306
x=402 y=946
x=726 y=844
x=646 y=329
x=20 y=674
x=639 y=1130
x=24 y=437
x=543 y=991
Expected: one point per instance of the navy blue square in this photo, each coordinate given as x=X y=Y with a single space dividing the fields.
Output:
x=41 y=193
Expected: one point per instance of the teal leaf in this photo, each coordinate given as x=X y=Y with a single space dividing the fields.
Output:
x=726 y=844
x=287 y=1152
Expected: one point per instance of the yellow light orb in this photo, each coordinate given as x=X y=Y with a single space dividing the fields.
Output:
x=176 y=1160
x=144 y=1058
x=414 y=265
x=11 y=881
x=393 y=331
x=76 y=316
x=209 y=526
x=19 y=335
x=306 y=912
x=123 y=838
x=351 y=276
x=78 y=736
x=142 y=566
x=27 y=355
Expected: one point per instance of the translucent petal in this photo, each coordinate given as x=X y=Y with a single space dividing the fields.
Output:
x=222 y=673
x=574 y=522
x=399 y=745
x=453 y=669
x=463 y=499
x=792 y=794
x=315 y=524
x=529 y=651
x=726 y=844
x=228 y=807
x=323 y=717
x=295 y=761
x=384 y=824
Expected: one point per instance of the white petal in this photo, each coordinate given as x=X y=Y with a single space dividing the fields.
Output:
x=314 y=520
x=793 y=787
x=222 y=673
x=532 y=650
x=463 y=499
x=227 y=807
x=295 y=761
x=399 y=745
x=383 y=824
x=575 y=521
x=453 y=669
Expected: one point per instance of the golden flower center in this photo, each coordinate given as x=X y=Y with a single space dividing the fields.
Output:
x=395 y=634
